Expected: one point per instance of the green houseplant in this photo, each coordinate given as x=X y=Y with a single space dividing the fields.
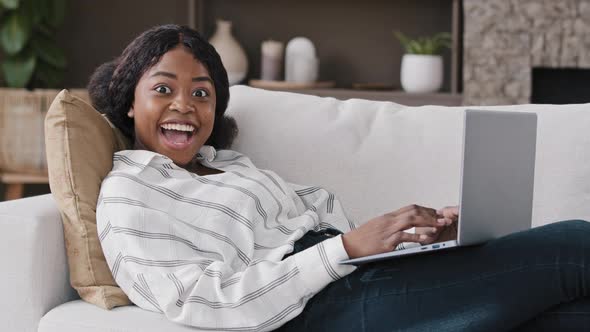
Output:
x=31 y=58
x=422 y=65
x=433 y=45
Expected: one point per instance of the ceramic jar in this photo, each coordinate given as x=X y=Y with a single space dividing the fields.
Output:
x=232 y=54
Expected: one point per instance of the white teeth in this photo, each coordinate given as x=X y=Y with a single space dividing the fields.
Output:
x=177 y=126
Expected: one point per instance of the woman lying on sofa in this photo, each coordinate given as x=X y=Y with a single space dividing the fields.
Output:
x=198 y=233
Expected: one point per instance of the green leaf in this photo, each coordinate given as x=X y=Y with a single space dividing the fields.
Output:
x=415 y=47
x=47 y=50
x=425 y=45
x=48 y=76
x=402 y=38
x=9 y=4
x=429 y=46
x=15 y=32
x=18 y=70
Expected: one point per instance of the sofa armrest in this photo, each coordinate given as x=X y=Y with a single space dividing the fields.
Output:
x=34 y=275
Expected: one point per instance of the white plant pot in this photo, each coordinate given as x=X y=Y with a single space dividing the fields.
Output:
x=232 y=54
x=421 y=73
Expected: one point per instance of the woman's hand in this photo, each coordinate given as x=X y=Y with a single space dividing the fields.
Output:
x=384 y=233
x=446 y=232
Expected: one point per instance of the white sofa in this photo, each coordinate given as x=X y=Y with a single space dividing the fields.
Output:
x=376 y=156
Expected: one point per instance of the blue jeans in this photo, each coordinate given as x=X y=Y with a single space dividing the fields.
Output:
x=536 y=280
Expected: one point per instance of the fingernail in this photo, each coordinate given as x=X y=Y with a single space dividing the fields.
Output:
x=441 y=221
x=423 y=237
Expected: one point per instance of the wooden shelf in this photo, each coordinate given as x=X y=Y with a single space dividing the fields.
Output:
x=277 y=85
x=354 y=40
x=10 y=178
x=15 y=183
x=396 y=96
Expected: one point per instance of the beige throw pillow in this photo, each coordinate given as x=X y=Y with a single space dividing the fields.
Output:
x=80 y=144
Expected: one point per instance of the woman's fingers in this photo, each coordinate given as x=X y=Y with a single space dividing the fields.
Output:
x=434 y=234
x=451 y=212
x=400 y=237
x=431 y=230
x=428 y=236
x=428 y=239
x=413 y=216
x=444 y=221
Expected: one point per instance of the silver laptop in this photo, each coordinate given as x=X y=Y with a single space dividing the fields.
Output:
x=497 y=177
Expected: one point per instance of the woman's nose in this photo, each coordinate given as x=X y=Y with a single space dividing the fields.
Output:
x=182 y=104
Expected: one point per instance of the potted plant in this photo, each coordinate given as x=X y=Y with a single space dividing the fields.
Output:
x=31 y=63
x=422 y=65
x=31 y=58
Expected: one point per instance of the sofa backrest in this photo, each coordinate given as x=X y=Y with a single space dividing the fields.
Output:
x=379 y=156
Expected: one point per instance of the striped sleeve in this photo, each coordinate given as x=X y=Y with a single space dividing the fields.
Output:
x=324 y=206
x=329 y=212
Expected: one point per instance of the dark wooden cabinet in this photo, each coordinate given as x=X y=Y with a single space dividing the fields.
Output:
x=353 y=39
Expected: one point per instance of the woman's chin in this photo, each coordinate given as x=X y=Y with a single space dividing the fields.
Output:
x=180 y=159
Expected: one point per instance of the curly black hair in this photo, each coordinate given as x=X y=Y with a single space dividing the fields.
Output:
x=112 y=85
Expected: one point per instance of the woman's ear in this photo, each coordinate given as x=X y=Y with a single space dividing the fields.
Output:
x=131 y=113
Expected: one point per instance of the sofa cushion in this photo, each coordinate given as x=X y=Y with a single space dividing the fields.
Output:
x=34 y=274
x=379 y=156
x=80 y=144
x=79 y=316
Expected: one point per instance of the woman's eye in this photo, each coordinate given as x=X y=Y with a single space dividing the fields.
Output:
x=163 y=89
x=200 y=93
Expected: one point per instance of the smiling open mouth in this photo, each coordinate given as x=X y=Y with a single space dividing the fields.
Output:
x=177 y=135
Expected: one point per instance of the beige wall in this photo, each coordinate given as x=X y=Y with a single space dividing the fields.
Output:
x=97 y=31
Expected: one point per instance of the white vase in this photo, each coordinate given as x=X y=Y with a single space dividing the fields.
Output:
x=421 y=73
x=232 y=54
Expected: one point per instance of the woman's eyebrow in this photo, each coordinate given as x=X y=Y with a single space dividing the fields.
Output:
x=203 y=79
x=164 y=73
x=173 y=76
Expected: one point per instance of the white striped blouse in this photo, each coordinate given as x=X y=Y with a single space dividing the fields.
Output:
x=207 y=251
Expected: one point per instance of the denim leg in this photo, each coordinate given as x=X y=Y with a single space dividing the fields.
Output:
x=492 y=287
x=567 y=317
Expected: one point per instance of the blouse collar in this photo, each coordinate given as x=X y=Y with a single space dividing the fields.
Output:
x=207 y=152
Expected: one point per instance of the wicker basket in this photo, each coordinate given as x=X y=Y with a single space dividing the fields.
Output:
x=22 y=139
